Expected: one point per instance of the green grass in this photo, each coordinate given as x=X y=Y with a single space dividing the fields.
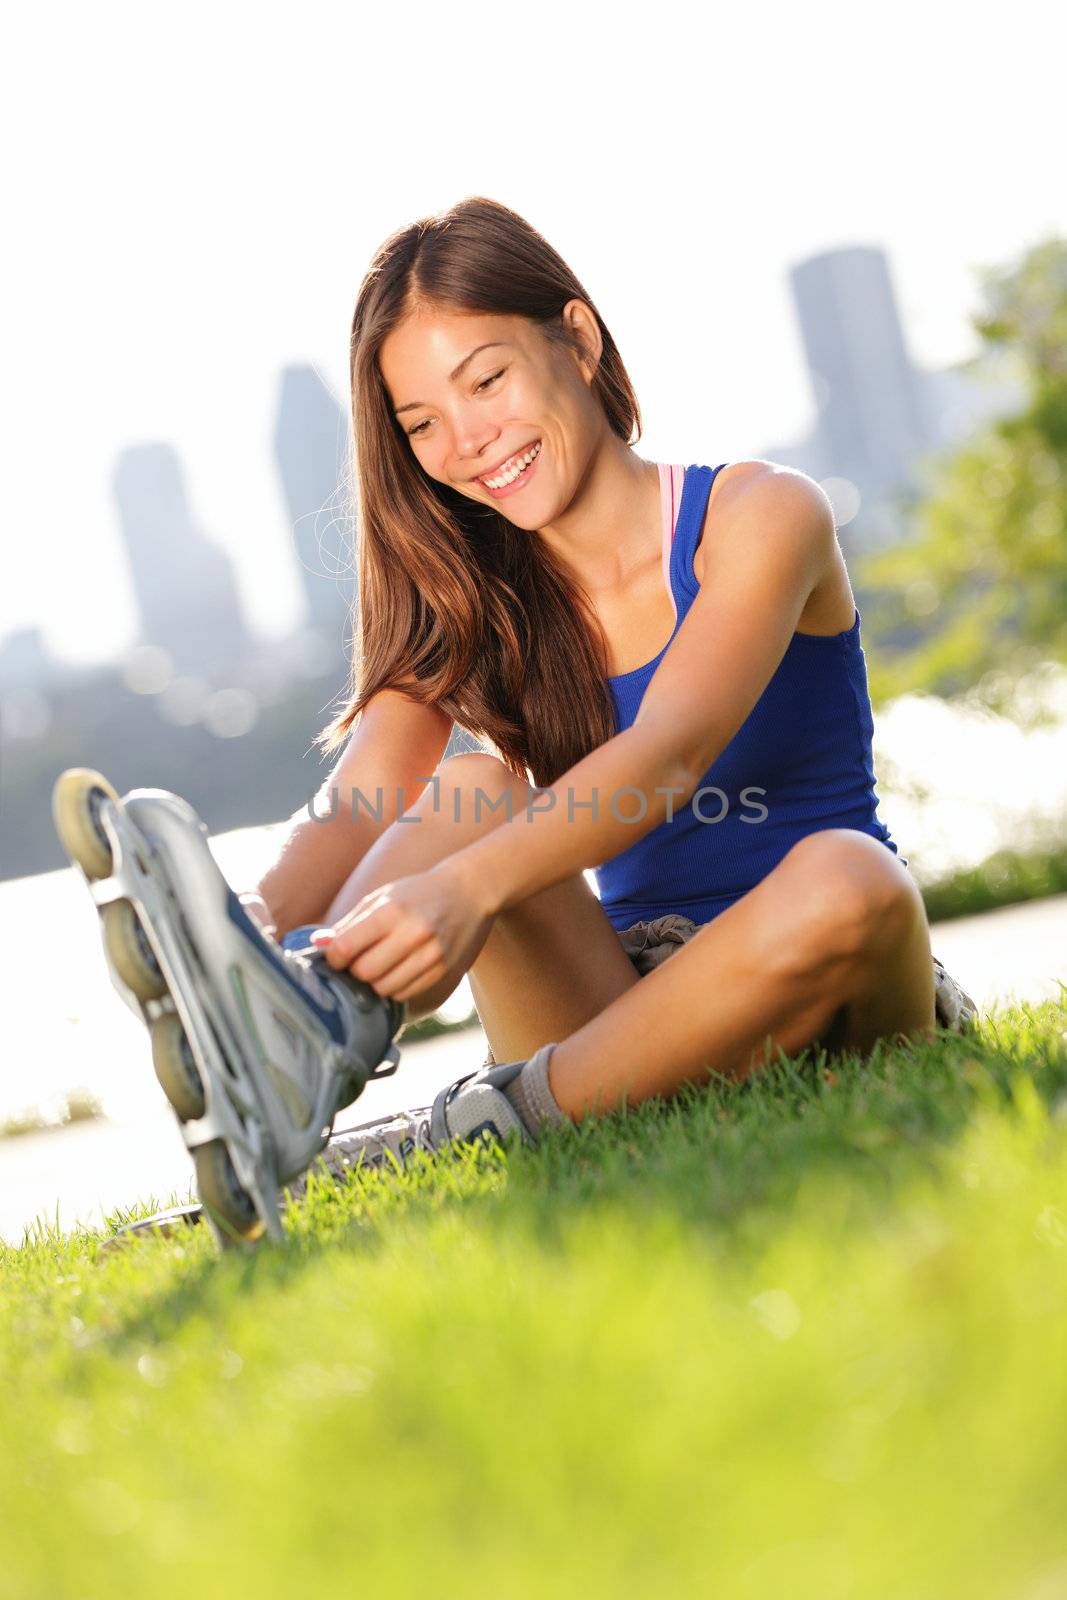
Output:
x=804 y=1336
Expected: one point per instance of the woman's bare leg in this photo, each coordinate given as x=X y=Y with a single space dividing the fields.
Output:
x=832 y=946
x=548 y=964
x=834 y=940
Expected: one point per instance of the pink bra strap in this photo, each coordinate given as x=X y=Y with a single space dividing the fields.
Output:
x=670 y=499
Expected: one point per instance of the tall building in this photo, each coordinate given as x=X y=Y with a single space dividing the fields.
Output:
x=872 y=421
x=312 y=448
x=27 y=672
x=878 y=415
x=184 y=585
x=25 y=660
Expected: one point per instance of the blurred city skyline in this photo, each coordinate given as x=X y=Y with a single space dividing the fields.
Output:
x=189 y=236
x=878 y=416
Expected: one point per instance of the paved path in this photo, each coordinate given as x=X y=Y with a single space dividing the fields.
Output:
x=80 y=1173
x=1015 y=954
x=90 y=1168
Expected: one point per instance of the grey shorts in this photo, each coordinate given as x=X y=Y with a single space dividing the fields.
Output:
x=649 y=943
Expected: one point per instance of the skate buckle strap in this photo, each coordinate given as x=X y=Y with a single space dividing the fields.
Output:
x=392 y=1056
x=439 y=1131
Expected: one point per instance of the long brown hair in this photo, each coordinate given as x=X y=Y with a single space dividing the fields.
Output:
x=456 y=605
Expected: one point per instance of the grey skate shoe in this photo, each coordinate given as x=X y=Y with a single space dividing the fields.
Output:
x=953 y=1006
x=473 y=1107
x=256 y=1047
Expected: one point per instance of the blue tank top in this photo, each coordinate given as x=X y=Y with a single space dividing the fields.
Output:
x=800 y=762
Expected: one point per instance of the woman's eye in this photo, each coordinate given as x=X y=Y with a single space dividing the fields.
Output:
x=493 y=376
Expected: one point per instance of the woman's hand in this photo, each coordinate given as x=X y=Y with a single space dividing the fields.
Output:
x=405 y=937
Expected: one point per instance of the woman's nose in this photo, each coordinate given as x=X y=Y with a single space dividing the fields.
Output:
x=474 y=441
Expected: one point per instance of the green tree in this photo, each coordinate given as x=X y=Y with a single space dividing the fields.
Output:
x=976 y=597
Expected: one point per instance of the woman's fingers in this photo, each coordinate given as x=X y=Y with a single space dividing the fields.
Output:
x=393 y=966
x=412 y=977
x=405 y=936
x=347 y=942
x=394 y=952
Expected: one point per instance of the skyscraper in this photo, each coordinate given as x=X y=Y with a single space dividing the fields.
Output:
x=872 y=419
x=878 y=418
x=311 y=443
x=184 y=585
x=25 y=660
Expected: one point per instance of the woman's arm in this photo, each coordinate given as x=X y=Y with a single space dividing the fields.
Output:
x=773 y=545
x=396 y=744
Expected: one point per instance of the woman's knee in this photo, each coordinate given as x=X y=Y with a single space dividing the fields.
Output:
x=477 y=788
x=475 y=766
x=447 y=815
x=847 y=895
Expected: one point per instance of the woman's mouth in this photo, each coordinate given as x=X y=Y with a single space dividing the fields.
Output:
x=518 y=472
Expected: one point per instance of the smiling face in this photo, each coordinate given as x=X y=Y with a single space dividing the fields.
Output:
x=467 y=412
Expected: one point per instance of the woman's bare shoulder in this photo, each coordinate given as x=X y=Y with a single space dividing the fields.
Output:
x=408 y=696
x=729 y=480
x=736 y=473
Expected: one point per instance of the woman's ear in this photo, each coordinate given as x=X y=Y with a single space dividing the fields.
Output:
x=583 y=337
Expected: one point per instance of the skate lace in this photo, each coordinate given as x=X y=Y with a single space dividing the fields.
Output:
x=327 y=986
x=316 y=984
x=405 y=1127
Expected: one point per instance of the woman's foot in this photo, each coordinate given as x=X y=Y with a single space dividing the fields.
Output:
x=953 y=1006
x=256 y=1047
x=487 y=1105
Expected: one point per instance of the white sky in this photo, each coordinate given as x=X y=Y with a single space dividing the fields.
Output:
x=194 y=193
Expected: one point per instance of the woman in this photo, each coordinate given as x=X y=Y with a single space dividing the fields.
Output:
x=664 y=667
x=502 y=599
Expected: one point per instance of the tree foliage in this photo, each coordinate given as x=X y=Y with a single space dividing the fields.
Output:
x=976 y=598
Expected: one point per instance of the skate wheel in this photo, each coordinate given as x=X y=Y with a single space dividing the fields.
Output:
x=172 y=1057
x=222 y=1193
x=76 y=797
x=129 y=951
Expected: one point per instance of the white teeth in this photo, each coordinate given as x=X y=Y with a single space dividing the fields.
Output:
x=519 y=465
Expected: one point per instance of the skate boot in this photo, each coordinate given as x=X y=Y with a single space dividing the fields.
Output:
x=474 y=1107
x=256 y=1047
x=953 y=1006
